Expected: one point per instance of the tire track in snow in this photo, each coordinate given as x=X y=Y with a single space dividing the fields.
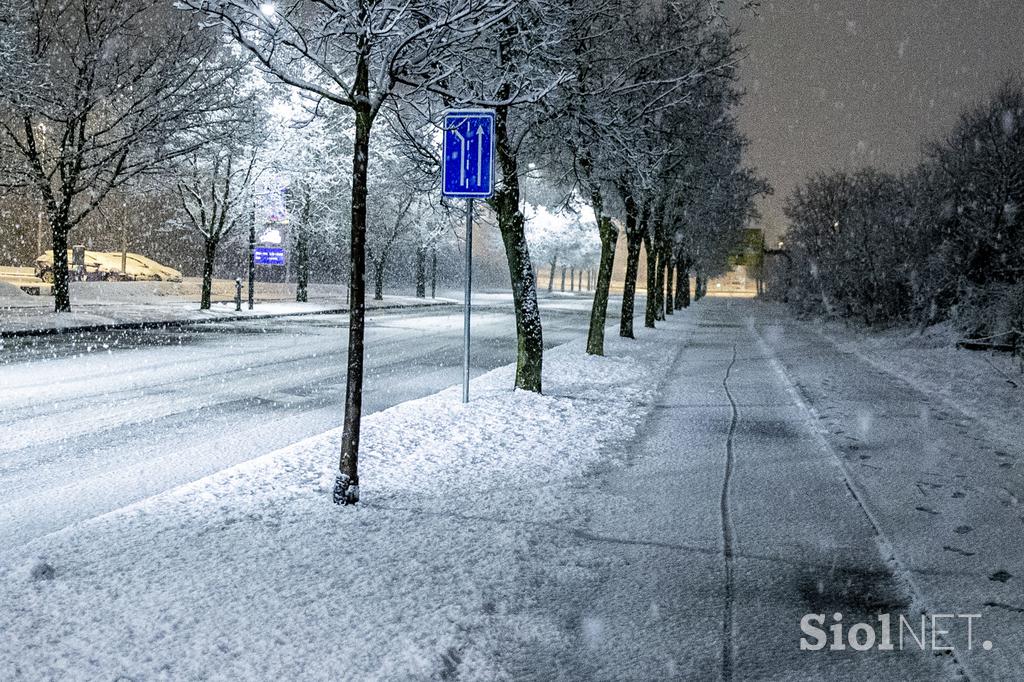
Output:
x=728 y=532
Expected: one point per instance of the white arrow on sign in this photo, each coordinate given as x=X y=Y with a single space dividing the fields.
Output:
x=479 y=154
x=463 y=161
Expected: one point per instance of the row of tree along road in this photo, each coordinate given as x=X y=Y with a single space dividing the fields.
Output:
x=617 y=111
x=944 y=241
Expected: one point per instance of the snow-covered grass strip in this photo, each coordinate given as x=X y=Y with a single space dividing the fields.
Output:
x=253 y=574
x=986 y=387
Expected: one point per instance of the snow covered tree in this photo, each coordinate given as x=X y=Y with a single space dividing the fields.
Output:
x=216 y=193
x=400 y=204
x=557 y=236
x=112 y=89
x=14 y=49
x=515 y=71
x=356 y=55
x=631 y=64
x=307 y=151
x=969 y=205
x=847 y=238
x=944 y=241
x=432 y=230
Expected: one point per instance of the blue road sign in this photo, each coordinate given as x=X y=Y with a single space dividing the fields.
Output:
x=268 y=255
x=468 y=153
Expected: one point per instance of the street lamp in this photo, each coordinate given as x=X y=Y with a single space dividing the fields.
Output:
x=268 y=9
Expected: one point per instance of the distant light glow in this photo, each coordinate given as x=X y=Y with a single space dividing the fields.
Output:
x=268 y=9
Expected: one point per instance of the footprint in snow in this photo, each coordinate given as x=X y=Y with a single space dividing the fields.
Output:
x=1000 y=576
x=957 y=550
x=962 y=530
x=1005 y=460
x=927 y=510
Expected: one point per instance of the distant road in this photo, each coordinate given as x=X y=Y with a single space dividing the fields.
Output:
x=90 y=423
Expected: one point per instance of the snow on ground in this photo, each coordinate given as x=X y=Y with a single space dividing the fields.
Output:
x=930 y=439
x=253 y=573
x=985 y=386
x=12 y=296
x=139 y=412
x=170 y=311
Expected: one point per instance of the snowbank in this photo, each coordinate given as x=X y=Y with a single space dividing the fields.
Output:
x=985 y=386
x=39 y=319
x=9 y=292
x=253 y=574
x=157 y=293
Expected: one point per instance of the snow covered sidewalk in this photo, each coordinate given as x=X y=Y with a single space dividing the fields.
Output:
x=931 y=440
x=730 y=523
x=252 y=573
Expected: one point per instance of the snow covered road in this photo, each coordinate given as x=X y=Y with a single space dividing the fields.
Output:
x=91 y=422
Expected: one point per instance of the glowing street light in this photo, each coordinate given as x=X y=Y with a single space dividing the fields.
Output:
x=268 y=9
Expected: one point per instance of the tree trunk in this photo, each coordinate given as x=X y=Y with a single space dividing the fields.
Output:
x=670 y=269
x=506 y=202
x=659 y=286
x=378 y=280
x=563 y=279
x=302 y=261
x=210 y=253
x=589 y=284
x=433 y=271
x=599 y=309
x=651 y=308
x=61 y=292
x=572 y=279
x=686 y=286
x=680 y=275
x=346 y=486
x=634 y=241
x=421 y=272
x=551 y=278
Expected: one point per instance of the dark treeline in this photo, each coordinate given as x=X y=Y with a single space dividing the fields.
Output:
x=941 y=243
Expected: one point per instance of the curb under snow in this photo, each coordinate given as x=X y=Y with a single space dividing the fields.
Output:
x=205 y=579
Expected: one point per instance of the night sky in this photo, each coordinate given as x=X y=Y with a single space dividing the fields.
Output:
x=834 y=84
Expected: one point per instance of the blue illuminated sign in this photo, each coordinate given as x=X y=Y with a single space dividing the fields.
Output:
x=268 y=255
x=468 y=153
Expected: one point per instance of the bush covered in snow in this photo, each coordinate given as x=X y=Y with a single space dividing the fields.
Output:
x=942 y=242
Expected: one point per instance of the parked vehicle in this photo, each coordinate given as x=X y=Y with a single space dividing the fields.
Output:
x=147 y=268
x=106 y=266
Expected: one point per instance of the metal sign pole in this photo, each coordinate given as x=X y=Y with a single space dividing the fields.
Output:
x=468 y=173
x=468 y=295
